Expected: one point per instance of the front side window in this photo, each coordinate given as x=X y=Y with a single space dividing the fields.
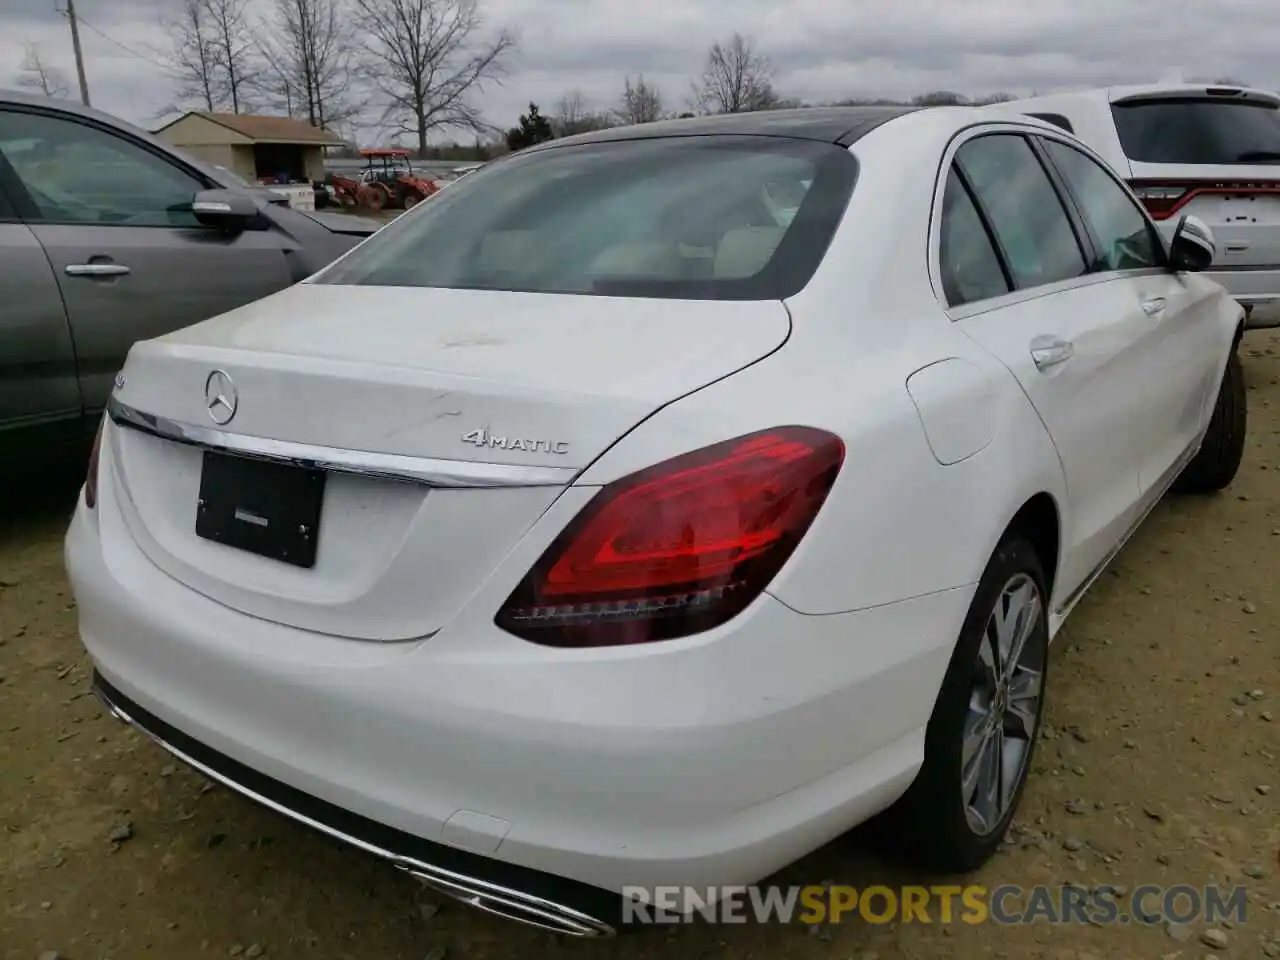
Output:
x=710 y=217
x=1024 y=208
x=969 y=264
x=1125 y=239
x=76 y=173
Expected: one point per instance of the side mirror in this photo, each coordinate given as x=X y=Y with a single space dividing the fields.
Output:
x=226 y=209
x=1193 y=248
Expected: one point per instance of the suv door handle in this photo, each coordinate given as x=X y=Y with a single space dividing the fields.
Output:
x=96 y=269
x=1154 y=306
x=1048 y=352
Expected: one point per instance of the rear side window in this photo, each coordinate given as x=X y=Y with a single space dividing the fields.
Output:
x=1025 y=211
x=715 y=218
x=969 y=265
x=1198 y=131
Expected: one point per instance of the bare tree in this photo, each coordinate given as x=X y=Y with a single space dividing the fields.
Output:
x=232 y=48
x=308 y=61
x=192 y=56
x=736 y=78
x=940 y=98
x=428 y=59
x=641 y=102
x=574 y=115
x=36 y=74
x=571 y=111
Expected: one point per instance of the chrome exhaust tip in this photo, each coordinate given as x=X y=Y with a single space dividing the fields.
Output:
x=514 y=905
x=110 y=707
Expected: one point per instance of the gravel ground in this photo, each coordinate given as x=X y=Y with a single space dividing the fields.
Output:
x=1159 y=766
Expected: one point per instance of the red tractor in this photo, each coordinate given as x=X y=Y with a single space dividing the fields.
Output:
x=346 y=191
x=389 y=183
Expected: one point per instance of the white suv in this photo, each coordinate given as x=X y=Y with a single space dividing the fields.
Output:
x=1209 y=151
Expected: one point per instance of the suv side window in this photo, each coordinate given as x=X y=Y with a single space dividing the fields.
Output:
x=1126 y=240
x=1024 y=209
x=968 y=262
x=77 y=173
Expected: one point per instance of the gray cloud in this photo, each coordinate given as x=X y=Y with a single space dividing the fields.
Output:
x=821 y=50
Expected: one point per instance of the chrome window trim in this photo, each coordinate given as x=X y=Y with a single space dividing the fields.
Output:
x=958 y=140
x=428 y=471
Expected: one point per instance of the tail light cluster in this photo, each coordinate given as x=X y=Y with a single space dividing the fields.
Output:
x=1161 y=200
x=680 y=547
x=1164 y=198
x=91 y=475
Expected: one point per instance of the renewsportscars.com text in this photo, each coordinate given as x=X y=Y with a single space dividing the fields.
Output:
x=1005 y=904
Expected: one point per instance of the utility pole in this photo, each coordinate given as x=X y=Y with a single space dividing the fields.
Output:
x=75 y=44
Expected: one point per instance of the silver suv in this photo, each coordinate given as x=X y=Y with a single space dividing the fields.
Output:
x=1213 y=152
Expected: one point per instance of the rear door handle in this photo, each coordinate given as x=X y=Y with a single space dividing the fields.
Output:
x=1048 y=352
x=96 y=269
x=1153 y=306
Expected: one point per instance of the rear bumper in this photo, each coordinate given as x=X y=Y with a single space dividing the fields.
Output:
x=1253 y=288
x=713 y=761
x=529 y=896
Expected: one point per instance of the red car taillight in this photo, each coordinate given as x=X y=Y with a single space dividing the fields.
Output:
x=1164 y=198
x=91 y=476
x=679 y=547
x=1161 y=200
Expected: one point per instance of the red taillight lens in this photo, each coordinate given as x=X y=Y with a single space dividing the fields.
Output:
x=1161 y=200
x=680 y=547
x=91 y=476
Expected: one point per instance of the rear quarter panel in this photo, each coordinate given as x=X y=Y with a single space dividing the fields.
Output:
x=898 y=523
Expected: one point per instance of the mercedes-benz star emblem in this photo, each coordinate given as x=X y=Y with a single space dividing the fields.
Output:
x=220 y=397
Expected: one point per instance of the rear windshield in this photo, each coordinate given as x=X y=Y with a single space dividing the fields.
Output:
x=705 y=217
x=1198 y=131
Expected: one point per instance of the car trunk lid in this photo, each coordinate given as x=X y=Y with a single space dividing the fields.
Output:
x=451 y=418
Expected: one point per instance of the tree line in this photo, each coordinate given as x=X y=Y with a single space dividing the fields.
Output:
x=412 y=69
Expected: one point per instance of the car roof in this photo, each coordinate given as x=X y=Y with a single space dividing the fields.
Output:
x=842 y=125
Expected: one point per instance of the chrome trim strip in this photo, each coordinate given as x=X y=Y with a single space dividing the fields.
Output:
x=425 y=470
x=516 y=905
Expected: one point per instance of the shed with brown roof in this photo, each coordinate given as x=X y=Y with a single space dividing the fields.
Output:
x=258 y=148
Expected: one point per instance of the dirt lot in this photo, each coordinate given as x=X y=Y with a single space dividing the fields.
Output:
x=1160 y=766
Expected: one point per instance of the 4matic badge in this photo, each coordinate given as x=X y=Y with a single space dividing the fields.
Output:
x=483 y=438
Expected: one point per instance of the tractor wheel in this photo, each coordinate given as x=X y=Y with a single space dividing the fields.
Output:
x=375 y=198
x=411 y=200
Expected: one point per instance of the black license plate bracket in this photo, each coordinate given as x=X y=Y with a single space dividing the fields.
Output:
x=260 y=506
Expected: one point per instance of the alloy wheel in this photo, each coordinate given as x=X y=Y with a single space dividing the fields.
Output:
x=1004 y=705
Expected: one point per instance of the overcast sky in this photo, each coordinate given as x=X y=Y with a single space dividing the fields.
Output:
x=821 y=49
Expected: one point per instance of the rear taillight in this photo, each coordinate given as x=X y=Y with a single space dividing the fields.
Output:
x=91 y=476
x=680 y=547
x=1164 y=198
x=1161 y=200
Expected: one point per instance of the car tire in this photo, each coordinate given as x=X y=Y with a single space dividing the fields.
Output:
x=1218 y=460
x=938 y=815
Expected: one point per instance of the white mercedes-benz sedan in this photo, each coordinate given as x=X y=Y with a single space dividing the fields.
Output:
x=657 y=504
